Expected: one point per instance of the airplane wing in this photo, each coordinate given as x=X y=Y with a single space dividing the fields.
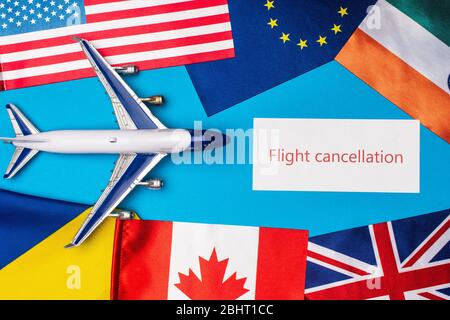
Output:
x=130 y=111
x=130 y=169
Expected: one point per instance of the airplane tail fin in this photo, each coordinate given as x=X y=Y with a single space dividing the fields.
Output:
x=22 y=127
x=20 y=158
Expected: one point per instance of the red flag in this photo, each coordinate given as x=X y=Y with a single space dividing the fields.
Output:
x=171 y=260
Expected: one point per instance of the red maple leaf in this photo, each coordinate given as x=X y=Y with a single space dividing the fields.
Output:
x=211 y=286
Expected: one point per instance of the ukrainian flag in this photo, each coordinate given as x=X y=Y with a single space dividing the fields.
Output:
x=33 y=261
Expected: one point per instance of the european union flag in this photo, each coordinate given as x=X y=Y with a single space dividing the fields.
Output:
x=275 y=41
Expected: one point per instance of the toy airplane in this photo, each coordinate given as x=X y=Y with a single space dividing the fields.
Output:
x=141 y=142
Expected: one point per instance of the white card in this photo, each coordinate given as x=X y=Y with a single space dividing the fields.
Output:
x=336 y=155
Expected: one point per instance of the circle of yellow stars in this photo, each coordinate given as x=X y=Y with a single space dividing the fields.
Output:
x=303 y=43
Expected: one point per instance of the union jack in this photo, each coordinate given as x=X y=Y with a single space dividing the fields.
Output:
x=403 y=259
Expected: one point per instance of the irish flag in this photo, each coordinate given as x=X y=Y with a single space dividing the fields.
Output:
x=402 y=50
x=175 y=260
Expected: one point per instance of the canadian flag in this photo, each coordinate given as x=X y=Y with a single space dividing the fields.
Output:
x=173 y=260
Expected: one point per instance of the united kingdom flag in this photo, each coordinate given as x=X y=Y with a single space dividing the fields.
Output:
x=403 y=259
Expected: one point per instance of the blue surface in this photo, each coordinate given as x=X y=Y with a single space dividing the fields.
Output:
x=220 y=193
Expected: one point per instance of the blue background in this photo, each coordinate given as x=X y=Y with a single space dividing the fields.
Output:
x=220 y=193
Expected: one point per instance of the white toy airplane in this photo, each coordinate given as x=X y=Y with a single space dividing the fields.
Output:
x=141 y=142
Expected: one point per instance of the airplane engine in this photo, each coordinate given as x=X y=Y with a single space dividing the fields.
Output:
x=154 y=100
x=122 y=215
x=153 y=184
x=127 y=69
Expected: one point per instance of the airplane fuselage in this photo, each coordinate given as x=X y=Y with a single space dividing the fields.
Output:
x=109 y=141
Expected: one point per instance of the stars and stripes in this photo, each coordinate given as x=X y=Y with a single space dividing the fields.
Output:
x=18 y=16
x=150 y=34
x=404 y=259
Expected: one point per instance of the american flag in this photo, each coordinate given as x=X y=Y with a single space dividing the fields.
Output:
x=36 y=45
x=403 y=259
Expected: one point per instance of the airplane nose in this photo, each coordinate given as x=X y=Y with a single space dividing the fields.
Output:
x=208 y=139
